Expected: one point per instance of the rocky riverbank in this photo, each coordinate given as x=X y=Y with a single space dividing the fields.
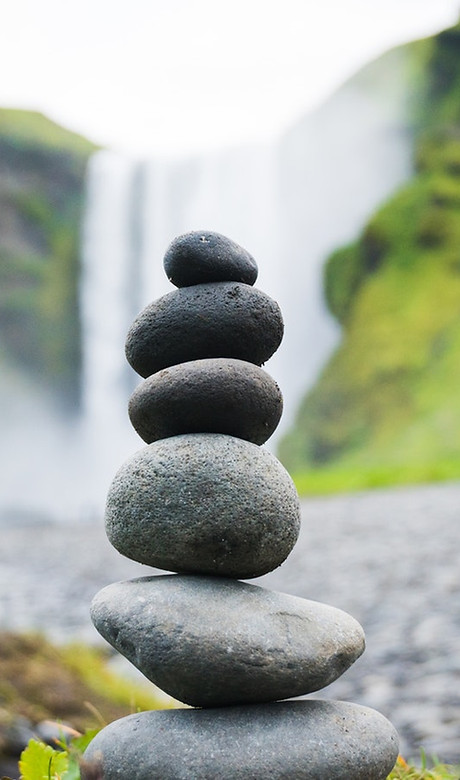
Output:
x=390 y=558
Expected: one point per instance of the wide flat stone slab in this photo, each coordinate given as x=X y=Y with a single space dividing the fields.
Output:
x=302 y=740
x=217 y=395
x=205 y=256
x=205 y=503
x=211 y=641
x=222 y=319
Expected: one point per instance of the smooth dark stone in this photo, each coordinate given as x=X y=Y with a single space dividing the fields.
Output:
x=204 y=256
x=301 y=740
x=210 y=642
x=217 y=395
x=205 y=503
x=223 y=319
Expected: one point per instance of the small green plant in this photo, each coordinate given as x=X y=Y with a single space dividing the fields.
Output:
x=40 y=761
x=405 y=771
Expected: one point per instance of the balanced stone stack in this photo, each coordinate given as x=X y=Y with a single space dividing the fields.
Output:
x=205 y=500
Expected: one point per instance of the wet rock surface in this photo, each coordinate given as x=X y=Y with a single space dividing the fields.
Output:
x=214 y=642
x=205 y=256
x=204 y=503
x=224 y=319
x=218 y=395
x=389 y=558
x=321 y=740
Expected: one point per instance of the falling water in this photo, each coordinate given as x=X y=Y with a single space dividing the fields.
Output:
x=106 y=287
x=289 y=204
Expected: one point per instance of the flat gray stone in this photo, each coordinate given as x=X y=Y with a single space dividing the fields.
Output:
x=223 y=319
x=216 y=395
x=204 y=256
x=302 y=740
x=211 y=642
x=205 y=503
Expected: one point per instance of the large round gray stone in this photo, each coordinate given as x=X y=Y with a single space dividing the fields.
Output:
x=204 y=256
x=210 y=641
x=224 y=319
x=215 y=395
x=302 y=740
x=205 y=503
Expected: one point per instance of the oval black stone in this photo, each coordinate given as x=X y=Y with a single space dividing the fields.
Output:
x=223 y=319
x=215 y=395
x=204 y=256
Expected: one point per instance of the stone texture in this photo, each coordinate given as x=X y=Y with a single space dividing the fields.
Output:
x=204 y=256
x=341 y=558
x=210 y=641
x=224 y=319
x=205 y=503
x=217 y=395
x=302 y=740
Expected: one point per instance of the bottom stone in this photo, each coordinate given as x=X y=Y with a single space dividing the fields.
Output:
x=318 y=740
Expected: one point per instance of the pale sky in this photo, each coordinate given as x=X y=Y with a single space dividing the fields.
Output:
x=171 y=77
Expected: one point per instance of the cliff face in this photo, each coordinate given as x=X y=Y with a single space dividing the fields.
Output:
x=42 y=170
x=388 y=399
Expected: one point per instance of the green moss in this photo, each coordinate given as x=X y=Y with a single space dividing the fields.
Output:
x=41 y=681
x=438 y=771
x=41 y=201
x=342 y=277
x=440 y=105
x=379 y=396
x=31 y=128
x=345 y=479
x=438 y=151
x=386 y=408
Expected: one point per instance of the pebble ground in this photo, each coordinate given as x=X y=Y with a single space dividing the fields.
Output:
x=391 y=558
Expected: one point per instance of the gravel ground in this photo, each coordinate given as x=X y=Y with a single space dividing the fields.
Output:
x=390 y=558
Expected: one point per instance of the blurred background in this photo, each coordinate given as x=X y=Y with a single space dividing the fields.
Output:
x=295 y=132
x=325 y=139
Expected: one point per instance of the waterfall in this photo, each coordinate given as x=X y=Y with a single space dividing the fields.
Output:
x=289 y=204
x=133 y=211
x=110 y=296
x=108 y=285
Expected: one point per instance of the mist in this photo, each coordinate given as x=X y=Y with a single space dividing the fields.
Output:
x=289 y=203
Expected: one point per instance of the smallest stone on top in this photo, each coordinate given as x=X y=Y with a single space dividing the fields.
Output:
x=201 y=257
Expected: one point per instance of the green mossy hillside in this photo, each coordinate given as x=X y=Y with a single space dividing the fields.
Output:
x=387 y=406
x=31 y=128
x=42 y=172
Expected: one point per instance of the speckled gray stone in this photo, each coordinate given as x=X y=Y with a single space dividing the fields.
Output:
x=301 y=740
x=222 y=319
x=210 y=641
x=216 y=395
x=204 y=256
x=205 y=503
